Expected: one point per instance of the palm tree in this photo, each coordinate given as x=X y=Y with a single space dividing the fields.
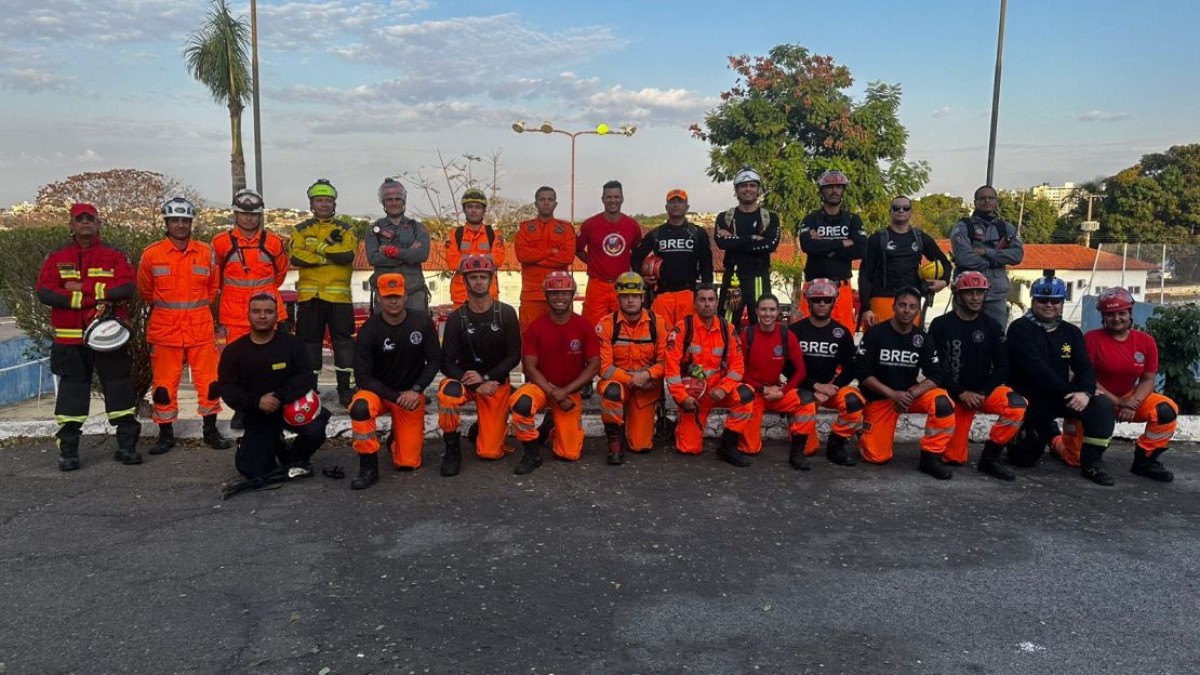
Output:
x=216 y=56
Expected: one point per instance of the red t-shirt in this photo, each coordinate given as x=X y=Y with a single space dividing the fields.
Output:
x=1120 y=364
x=764 y=359
x=562 y=350
x=609 y=246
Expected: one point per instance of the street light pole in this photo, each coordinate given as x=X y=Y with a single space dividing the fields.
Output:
x=991 y=164
x=548 y=128
x=258 y=183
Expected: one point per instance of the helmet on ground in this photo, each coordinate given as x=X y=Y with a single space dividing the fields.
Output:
x=477 y=263
x=746 y=175
x=630 y=283
x=559 y=280
x=106 y=334
x=971 y=280
x=178 y=207
x=1049 y=286
x=651 y=268
x=247 y=201
x=821 y=288
x=1114 y=299
x=474 y=196
x=322 y=188
x=934 y=269
x=303 y=410
x=833 y=177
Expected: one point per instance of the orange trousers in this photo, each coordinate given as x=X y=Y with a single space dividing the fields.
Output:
x=493 y=415
x=599 y=301
x=567 y=438
x=849 y=404
x=1159 y=413
x=408 y=429
x=843 y=308
x=882 y=307
x=1003 y=401
x=672 y=307
x=632 y=409
x=689 y=430
x=167 y=366
x=880 y=424
x=530 y=311
x=803 y=413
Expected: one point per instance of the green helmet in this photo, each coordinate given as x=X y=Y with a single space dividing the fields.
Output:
x=322 y=188
x=474 y=196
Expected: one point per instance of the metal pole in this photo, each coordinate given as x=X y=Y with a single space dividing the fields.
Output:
x=258 y=181
x=991 y=164
x=573 y=137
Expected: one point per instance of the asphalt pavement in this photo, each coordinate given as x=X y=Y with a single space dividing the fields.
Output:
x=668 y=564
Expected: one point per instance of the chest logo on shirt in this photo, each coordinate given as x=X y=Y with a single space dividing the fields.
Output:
x=278 y=366
x=1066 y=351
x=388 y=345
x=977 y=337
x=531 y=227
x=838 y=332
x=415 y=337
x=384 y=234
x=558 y=228
x=832 y=232
x=575 y=346
x=918 y=340
x=676 y=245
x=822 y=349
x=778 y=351
x=614 y=244
x=1139 y=357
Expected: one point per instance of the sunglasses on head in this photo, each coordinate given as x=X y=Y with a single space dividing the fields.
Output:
x=902 y=208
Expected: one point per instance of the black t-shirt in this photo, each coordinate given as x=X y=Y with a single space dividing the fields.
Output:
x=1048 y=364
x=893 y=261
x=389 y=360
x=821 y=238
x=828 y=353
x=896 y=359
x=685 y=252
x=974 y=354
x=249 y=370
x=743 y=253
x=488 y=342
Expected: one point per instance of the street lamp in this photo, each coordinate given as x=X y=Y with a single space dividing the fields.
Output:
x=548 y=128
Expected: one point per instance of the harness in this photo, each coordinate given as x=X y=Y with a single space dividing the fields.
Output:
x=687 y=341
x=469 y=330
x=459 y=233
x=653 y=330
x=236 y=248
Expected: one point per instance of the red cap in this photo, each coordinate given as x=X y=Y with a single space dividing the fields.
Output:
x=79 y=208
x=677 y=194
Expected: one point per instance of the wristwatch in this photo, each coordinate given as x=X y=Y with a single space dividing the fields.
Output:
x=418 y=388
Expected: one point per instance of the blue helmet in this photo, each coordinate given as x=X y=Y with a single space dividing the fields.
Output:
x=1049 y=286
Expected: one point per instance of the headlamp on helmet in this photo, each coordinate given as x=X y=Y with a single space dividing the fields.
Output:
x=178 y=207
x=247 y=201
x=630 y=283
x=746 y=175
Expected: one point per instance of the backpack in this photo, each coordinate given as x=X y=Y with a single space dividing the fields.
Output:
x=458 y=236
x=764 y=221
x=653 y=330
x=750 y=332
x=235 y=248
x=687 y=339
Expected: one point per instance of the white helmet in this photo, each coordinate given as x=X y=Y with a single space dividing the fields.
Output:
x=746 y=175
x=106 y=334
x=247 y=201
x=178 y=207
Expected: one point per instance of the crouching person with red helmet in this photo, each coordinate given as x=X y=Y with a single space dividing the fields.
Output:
x=561 y=354
x=266 y=375
x=633 y=348
x=396 y=356
x=704 y=370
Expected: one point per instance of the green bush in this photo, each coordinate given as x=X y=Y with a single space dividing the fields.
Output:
x=1176 y=328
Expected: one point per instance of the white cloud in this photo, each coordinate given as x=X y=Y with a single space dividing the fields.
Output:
x=89 y=156
x=33 y=80
x=944 y=111
x=1103 y=116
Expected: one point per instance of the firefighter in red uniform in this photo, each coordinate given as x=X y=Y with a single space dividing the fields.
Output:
x=543 y=244
x=704 y=370
x=606 y=242
x=633 y=349
x=177 y=279
x=473 y=238
x=79 y=281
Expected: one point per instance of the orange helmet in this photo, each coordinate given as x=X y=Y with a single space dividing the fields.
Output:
x=1114 y=299
x=971 y=280
x=559 y=280
x=651 y=267
x=821 y=288
x=477 y=263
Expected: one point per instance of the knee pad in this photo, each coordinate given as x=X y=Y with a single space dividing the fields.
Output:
x=854 y=403
x=943 y=406
x=523 y=405
x=612 y=392
x=161 y=396
x=1166 y=414
x=452 y=389
x=360 y=411
x=1016 y=400
x=745 y=394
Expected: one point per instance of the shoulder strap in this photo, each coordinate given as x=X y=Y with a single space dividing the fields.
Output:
x=458 y=235
x=653 y=327
x=750 y=338
x=725 y=330
x=616 y=327
x=687 y=335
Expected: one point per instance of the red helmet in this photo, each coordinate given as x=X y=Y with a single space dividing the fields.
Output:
x=559 y=280
x=1114 y=299
x=651 y=267
x=971 y=280
x=821 y=288
x=833 y=177
x=477 y=263
x=303 y=410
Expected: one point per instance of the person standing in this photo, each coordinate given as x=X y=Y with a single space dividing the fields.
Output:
x=975 y=362
x=472 y=238
x=748 y=234
x=481 y=345
x=396 y=356
x=833 y=238
x=178 y=281
x=606 y=243
x=250 y=261
x=679 y=256
x=323 y=248
x=543 y=244
x=80 y=282
x=399 y=244
x=893 y=260
x=986 y=243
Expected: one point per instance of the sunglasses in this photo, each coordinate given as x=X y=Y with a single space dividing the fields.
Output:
x=85 y=218
x=902 y=208
x=821 y=301
x=1049 y=301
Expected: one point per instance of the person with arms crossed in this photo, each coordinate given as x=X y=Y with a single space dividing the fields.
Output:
x=748 y=234
x=986 y=243
x=833 y=238
x=398 y=244
x=543 y=244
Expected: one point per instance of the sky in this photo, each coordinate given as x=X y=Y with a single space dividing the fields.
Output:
x=355 y=90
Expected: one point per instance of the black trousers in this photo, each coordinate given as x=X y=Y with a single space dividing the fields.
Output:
x=312 y=318
x=261 y=449
x=1097 y=419
x=75 y=365
x=752 y=286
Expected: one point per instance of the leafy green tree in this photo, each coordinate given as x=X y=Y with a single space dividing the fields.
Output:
x=1037 y=216
x=937 y=214
x=216 y=55
x=790 y=117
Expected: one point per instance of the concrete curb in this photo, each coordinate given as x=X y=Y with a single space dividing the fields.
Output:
x=909 y=428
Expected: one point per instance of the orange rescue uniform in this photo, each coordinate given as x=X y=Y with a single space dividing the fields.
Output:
x=631 y=348
x=464 y=241
x=247 y=267
x=541 y=246
x=714 y=351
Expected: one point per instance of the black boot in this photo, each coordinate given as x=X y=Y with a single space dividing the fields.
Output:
x=129 y=430
x=989 y=462
x=473 y=432
x=1092 y=465
x=796 y=456
x=931 y=463
x=616 y=450
x=545 y=428
x=587 y=391
x=531 y=459
x=166 y=439
x=452 y=457
x=368 y=472
x=67 y=440
x=728 y=451
x=1144 y=465
x=238 y=422
x=212 y=435
x=836 y=450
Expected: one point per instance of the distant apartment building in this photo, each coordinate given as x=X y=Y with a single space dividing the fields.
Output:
x=1061 y=196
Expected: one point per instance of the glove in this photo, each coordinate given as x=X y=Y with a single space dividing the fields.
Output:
x=390 y=251
x=335 y=237
x=311 y=243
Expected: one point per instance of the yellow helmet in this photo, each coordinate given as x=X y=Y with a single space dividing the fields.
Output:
x=630 y=283
x=932 y=270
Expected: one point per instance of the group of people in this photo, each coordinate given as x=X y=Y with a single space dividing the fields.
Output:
x=653 y=325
